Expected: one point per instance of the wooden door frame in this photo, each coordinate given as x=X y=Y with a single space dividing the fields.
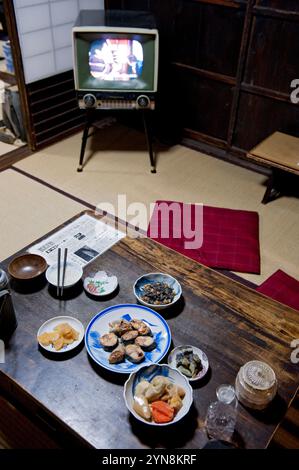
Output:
x=12 y=29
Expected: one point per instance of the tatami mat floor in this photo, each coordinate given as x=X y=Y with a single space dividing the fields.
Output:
x=28 y=211
x=117 y=164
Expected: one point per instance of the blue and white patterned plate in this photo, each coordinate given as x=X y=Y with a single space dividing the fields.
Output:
x=99 y=326
x=148 y=373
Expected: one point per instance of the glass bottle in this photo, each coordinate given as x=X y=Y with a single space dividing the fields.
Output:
x=222 y=414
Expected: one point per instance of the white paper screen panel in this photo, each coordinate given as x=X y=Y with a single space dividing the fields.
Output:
x=44 y=28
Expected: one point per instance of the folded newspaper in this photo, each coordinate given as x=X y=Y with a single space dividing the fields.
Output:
x=85 y=238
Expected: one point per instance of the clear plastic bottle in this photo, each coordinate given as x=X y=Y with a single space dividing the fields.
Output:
x=222 y=414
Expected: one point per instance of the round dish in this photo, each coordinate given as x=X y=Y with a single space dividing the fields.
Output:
x=202 y=356
x=151 y=278
x=73 y=274
x=99 y=326
x=100 y=284
x=148 y=373
x=27 y=266
x=49 y=326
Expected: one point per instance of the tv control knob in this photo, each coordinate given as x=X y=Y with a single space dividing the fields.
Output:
x=143 y=101
x=89 y=100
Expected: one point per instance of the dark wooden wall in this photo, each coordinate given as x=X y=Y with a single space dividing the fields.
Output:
x=226 y=68
x=225 y=73
x=54 y=109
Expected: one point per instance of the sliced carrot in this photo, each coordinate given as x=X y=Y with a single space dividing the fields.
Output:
x=162 y=412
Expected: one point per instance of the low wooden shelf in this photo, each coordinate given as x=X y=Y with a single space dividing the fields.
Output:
x=281 y=153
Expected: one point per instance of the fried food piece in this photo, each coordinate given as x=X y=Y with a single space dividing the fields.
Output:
x=62 y=335
x=118 y=355
x=59 y=343
x=129 y=337
x=47 y=338
x=142 y=328
x=109 y=341
x=120 y=327
x=134 y=353
x=147 y=343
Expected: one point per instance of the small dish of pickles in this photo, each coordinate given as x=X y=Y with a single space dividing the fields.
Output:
x=191 y=361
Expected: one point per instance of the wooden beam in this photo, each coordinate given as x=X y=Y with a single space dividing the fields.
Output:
x=206 y=73
x=224 y=3
x=276 y=13
x=240 y=71
x=266 y=92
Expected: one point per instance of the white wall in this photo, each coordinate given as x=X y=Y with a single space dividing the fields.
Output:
x=44 y=28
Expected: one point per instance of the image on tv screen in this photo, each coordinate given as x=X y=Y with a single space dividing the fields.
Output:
x=116 y=59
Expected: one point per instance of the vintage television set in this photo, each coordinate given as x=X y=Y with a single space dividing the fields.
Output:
x=115 y=59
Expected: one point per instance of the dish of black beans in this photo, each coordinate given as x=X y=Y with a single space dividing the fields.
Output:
x=157 y=293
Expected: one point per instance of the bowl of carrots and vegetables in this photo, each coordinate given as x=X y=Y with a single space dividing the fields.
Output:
x=158 y=395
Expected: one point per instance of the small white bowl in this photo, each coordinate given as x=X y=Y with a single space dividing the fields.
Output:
x=73 y=274
x=148 y=373
x=201 y=354
x=157 y=277
x=49 y=326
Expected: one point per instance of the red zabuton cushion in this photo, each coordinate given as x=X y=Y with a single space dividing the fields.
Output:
x=230 y=237
x=283 y=288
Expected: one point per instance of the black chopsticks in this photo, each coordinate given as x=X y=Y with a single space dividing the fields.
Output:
x=60 y=287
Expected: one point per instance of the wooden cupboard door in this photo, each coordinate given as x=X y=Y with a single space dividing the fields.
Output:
x=272 y=61
x=260 y=116
x=203 y=105
x=196 y=43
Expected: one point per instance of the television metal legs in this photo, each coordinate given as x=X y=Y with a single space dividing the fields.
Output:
x=149 y=140
x=88 y=125
x=90 y=118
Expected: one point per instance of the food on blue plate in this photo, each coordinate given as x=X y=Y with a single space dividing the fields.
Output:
x=158 y=400
x=119 y=327
x=118 y=355
x=147 y=343
x=129 y=337
x=157 y=293
x=142 y=328
x=109 y=341
x=134 y=353
x=188 y=363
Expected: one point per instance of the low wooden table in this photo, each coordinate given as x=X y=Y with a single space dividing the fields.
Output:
x=230 y=322
x=280 y=152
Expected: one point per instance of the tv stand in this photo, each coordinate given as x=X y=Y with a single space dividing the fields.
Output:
x=90 y=119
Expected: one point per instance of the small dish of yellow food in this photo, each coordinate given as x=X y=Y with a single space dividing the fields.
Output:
x=60 y=334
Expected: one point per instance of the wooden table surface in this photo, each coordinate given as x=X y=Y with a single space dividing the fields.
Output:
x=230 y=322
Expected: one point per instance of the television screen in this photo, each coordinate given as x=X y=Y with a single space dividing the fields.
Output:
x=115 y=61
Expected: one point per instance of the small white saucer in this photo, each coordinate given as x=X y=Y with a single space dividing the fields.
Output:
x=73 y=274
x=100 y=284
